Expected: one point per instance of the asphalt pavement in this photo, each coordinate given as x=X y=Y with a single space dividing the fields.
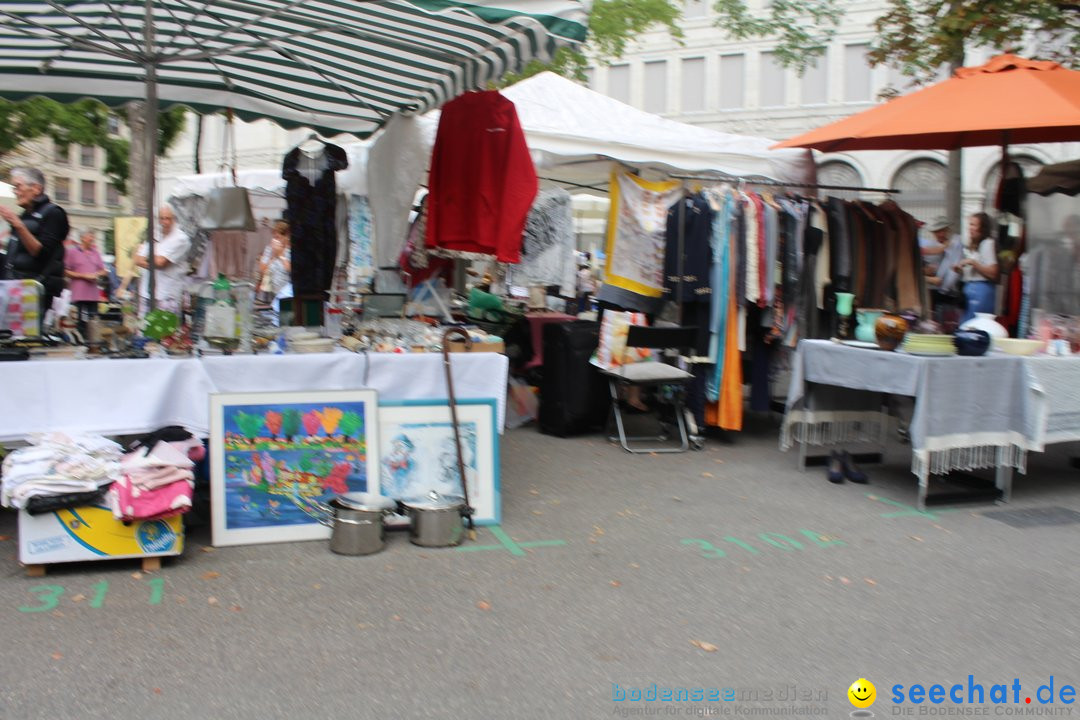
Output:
x=722 y=582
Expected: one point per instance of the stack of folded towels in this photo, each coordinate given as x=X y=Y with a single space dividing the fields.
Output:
x=59 y=470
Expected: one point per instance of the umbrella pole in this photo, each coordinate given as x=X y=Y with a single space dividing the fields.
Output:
x=150 y=128
x=1004 y=153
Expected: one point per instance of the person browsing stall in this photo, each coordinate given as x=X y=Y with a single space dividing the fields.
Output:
x=979 y=267
x=276 y=261
x=943 y=252
x=84 y=268
x=171 y=247
x=36 y=244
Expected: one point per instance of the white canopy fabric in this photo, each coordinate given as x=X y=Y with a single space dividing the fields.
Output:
x=575 y=132
x=575 y=136
x=269 y=181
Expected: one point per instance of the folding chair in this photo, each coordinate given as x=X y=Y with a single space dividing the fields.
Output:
x=653 y=374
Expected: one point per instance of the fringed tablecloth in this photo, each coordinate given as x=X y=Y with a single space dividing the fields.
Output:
x=970 y=412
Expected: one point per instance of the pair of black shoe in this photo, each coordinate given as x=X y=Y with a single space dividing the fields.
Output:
x=841 y=466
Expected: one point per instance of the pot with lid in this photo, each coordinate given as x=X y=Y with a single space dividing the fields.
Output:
x=436 y=520
x=356 y=523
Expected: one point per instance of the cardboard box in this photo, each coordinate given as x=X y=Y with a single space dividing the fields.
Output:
x=495 y=347
x=92 y=533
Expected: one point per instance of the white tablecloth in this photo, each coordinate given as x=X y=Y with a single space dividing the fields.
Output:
x=110 y=397
x=1057 y=381
x=114 y=397
x=410 y=376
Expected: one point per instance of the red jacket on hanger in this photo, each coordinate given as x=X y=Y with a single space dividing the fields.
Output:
x=482 y=181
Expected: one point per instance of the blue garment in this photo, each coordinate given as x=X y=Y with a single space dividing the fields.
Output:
x=980 y=298
x=953 y=254
x=721 y=284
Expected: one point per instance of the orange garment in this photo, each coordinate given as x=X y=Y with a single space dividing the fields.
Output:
x=727 y=412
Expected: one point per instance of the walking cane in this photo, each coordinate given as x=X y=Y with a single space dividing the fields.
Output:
x=453 y=419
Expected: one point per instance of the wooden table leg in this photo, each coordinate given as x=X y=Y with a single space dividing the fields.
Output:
x=151 y=564
x=35 y=571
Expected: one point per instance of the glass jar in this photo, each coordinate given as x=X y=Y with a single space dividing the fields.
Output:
x=224 y=315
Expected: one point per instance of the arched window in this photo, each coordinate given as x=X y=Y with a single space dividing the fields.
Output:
x=838 y=172
x=922 y=188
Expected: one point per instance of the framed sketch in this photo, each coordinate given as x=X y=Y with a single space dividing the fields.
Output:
x=417 y=453
x=274 y=457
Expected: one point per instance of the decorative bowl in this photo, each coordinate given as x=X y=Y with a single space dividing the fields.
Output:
x=889 y=329
x=1018 y=346
x=971 y=342
x=927 y=327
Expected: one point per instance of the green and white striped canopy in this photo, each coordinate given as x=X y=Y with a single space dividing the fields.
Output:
x=332 y=65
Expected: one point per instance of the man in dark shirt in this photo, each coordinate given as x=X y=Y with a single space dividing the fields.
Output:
x=36 y=246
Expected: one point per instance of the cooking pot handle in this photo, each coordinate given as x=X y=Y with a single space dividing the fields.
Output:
x=326 y=513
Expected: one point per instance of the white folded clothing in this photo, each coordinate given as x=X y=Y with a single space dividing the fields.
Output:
x=81 y=442
x=24 y=492
x=54 y=472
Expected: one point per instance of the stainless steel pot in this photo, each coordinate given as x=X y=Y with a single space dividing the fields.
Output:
x=436 y=520
x=356 y=522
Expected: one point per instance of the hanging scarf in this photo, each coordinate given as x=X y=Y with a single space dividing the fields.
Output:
x=634 y=271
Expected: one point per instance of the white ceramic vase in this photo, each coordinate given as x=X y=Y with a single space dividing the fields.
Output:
x=986 y=321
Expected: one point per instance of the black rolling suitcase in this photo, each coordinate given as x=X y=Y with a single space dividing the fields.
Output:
x=573 y=394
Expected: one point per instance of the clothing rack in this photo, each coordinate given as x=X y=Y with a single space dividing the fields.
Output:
x=777 y=183
x=720 y=177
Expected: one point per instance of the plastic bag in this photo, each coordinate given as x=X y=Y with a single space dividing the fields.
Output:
x=522 y=405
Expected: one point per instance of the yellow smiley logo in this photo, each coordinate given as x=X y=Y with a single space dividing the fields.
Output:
x=862 y=693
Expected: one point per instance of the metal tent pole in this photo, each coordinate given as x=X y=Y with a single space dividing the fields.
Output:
x=150 y=128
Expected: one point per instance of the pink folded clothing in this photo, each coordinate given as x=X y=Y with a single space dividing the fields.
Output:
x=130 y=502
x=151 y=478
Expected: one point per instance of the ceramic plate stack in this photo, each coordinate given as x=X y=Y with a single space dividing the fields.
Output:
x=932 y=345
x=309 y=342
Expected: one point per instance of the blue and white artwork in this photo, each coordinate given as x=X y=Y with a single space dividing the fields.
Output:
x=418 y=454
x=361 y=232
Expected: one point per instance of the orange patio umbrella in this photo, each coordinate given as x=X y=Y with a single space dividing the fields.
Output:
x=1009 y=100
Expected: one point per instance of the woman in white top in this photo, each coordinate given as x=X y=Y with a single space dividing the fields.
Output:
x=979 y=268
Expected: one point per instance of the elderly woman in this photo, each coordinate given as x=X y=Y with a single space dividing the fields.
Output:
x=979 y=268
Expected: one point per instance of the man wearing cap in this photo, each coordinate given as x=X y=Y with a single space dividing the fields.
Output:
x=940 y=253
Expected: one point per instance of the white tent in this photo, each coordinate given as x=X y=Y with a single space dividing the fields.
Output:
x=575 y=132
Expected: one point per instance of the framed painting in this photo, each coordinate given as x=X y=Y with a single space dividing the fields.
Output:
x=275 y=457
x=417 y=453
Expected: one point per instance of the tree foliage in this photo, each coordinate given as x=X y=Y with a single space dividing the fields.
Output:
x=613 y=25
x=921 y=36
x=918 y=37
x=801 y=28
x=85 y=122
